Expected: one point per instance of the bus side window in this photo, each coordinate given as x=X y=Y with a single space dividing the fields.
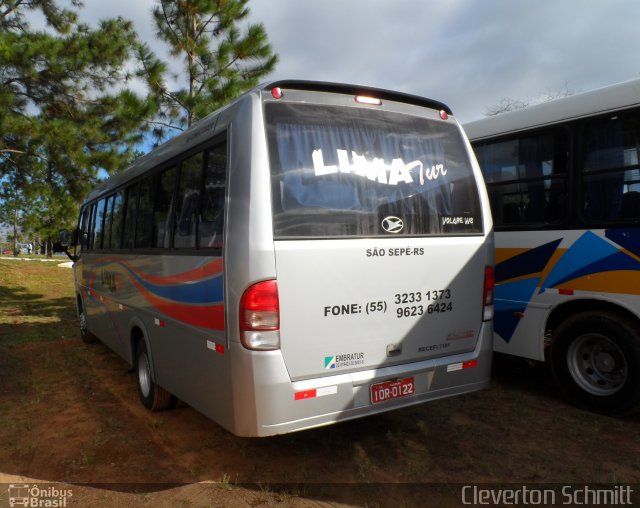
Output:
x=611 y=172
x=603 y=159
x=130 y=216
x=164 y=205
x=118 y=217
x=108 y=221
x=212 y=215
x=84 y=228
x=91 y=226
x=188 y=201
x=96 y=241
x=144 y=225
x=526 y=178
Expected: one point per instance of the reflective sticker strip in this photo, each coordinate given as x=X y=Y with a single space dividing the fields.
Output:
x=327 y=390
x=158 y=322
x=214 y=346
x=462 y=365
x=306 y=394
x=559 y=291
x=315 y=392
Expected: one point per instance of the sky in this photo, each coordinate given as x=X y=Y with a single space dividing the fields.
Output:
x=469 y=54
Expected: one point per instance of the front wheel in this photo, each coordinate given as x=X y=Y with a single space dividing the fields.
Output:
x=152 y=395
x=85 y=335
x=595 y=358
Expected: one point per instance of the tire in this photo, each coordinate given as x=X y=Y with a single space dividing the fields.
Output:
x=152 y=395
x=595 y=359
x=85 y=335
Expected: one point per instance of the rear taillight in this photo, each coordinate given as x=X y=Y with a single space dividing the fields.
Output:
x=487 y=295
x=260 y=316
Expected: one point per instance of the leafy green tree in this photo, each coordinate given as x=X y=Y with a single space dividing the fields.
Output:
x=221 y=60
x=65 y=111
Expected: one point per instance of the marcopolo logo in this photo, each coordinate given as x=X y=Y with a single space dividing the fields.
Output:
x=24 y=494
x=346 y=360
x=392 y=224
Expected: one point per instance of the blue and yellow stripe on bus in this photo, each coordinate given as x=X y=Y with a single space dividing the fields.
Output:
x=591 y=263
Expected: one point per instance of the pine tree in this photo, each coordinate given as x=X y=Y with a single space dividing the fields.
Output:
x=12 y=205
x=65 y=111
x=220 y=60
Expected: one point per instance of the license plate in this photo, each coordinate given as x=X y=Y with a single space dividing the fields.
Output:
x=390 y=390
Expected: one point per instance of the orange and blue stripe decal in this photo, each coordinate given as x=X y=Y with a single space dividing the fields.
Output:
x=194 y=297
x=590 y=257
x=591 y=263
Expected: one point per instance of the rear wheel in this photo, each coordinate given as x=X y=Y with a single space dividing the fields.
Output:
x=152 y=395
x=595 y=358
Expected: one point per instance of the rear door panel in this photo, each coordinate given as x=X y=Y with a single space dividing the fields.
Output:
x=361 y=304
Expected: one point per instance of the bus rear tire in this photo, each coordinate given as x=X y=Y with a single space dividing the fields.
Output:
x=595 y=359
x=153 y=396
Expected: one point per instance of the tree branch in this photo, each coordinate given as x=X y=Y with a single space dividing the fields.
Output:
x=204 y=27
x=168 y=23
x=165 y=124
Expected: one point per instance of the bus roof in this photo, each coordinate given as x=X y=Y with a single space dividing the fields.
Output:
x=193 y=136
x=609 y=98
x=343 y=88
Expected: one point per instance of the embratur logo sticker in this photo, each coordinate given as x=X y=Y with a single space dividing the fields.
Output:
x=346 y=360
x=329 y=362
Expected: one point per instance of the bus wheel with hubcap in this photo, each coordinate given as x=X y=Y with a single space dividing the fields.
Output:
x=595 y=358
x=85 y=335
x=152 y=395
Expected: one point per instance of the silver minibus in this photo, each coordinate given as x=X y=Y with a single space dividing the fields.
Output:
x=310 y=253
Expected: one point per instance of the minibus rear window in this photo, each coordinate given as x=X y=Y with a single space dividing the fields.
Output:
x=348 y=171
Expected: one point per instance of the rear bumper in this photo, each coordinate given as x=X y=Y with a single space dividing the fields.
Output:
x=275 y=405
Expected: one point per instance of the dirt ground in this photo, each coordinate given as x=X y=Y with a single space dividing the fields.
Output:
x=69 y=413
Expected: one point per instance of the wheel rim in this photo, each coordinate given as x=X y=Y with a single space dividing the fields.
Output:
x=597 y=364
x=144 y=374
x=83 y=323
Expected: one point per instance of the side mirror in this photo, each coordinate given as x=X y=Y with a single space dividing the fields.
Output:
x=66 y=239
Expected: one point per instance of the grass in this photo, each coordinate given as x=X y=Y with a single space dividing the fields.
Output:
x=363 y=462
x=36 y=302
x=69 y=412
x=225 y=481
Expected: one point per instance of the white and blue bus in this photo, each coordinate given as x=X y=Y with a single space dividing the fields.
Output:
x=310 y=253
x=564 y=185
